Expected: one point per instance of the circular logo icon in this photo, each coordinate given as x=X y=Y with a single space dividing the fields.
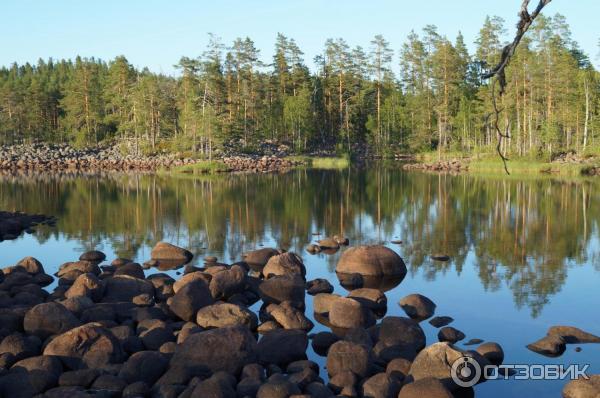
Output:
x=465 y=372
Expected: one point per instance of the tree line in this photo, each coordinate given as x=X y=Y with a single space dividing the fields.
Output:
x=437 y=101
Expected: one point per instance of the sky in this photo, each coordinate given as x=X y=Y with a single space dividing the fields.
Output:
x=156 y=34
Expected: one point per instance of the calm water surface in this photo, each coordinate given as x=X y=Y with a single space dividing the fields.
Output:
x=525 y=253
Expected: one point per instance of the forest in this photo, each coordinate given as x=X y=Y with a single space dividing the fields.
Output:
x=436 y=101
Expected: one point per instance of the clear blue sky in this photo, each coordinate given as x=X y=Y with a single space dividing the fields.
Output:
x=157 y=33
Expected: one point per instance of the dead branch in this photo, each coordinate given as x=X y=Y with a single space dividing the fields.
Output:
x=498 y=72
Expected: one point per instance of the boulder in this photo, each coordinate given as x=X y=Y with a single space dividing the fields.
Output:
x=71 y=270
x=289 y=317
x=381 y=385
x=373 y=299
x=81 y=377
x=436 y=361
x=132 y=269
x=347 y=313
x=87 y=285
x=417 y=306
x=403 y=332
x=573 y=335
x=259 y=258
x=450 y=334
x=428 y=387
x=125 y=288
x=283 y=288
x=279 y=388
x=349 y=356
x=491 y=351
x=110 y=384
x=221 y=315
x=154 y=333
x=167 y=251
x=192 y=276
x=583 y=388
x=440 y=321
x=91 y=345
x=226 y=283
x=550 y=346
x=344 y=384
x=47 y=319
x=318 y=285
x=145 y=366
x=31 y=265
x=43 y=371
x=328 y=243
x=321 y=342
x=371 y=261
x=286 y=264
x=225 y=349
x=94 y=256
x=323 y=302
x=20 y=346
x=189 y=299
x=282 y=346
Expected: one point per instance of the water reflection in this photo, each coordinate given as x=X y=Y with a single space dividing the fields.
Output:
x=523 y=234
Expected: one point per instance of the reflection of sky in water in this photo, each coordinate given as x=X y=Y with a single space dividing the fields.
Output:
x=489 y=311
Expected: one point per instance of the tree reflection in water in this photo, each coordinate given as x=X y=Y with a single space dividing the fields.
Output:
x=524 y=233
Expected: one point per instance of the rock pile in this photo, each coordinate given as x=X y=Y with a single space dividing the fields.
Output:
x=58 y=157
x=113 y=331
x=260 y=164
x=449 y=166
x=61 y=157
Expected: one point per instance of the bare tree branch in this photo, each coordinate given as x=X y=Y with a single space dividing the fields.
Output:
x=498 y=72
x=508 y=51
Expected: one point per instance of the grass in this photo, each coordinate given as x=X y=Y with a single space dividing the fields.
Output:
x=525 y=167
x=490 y=163
x=202 y=167
x=328 y=163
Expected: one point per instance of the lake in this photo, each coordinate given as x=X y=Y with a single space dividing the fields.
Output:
x=524 y=252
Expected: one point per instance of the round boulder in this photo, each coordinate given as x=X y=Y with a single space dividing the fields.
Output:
x=167 y=251
x=90 y=344
x=47 y=319
x=417 y=306
x=371 y=261
x=221 y=315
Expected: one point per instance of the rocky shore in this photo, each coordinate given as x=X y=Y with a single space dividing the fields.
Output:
x=117 y=330
x=12 y=225
x=63 y=158
x=449 y=166
x=260 y=164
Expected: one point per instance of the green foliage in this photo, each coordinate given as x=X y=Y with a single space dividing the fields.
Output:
x=438 y=102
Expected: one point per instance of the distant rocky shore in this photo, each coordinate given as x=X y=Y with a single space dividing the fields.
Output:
x=12 y=225
x=449 y=166
x=64 y=158
x=111 y=330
